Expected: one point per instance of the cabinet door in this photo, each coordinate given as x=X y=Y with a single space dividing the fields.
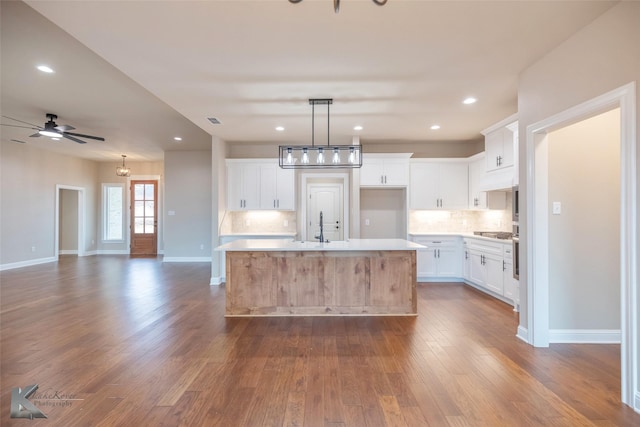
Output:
x=371 y=172
x=426 y=262
x=448 y=262
x=268 y=186
x=499 y=149
x=494 y=268
x=477 y=198
x=234 y=187
x=507 y=281
x=424 y=186
x=396 y=172
x=466 y=265
x=453 y=183
x=286 y=189
x=477 y=270
x=251 y=186
x=493 y=149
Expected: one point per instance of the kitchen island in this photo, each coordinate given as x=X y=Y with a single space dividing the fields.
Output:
x=346 y=278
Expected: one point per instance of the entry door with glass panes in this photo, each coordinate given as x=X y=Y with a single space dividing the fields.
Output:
x=144 y=217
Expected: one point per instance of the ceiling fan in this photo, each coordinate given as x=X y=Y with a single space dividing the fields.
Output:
x=53 y=130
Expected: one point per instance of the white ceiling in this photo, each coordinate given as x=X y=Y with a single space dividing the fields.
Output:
x=140 y=73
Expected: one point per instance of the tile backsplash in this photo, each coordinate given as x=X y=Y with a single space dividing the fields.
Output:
x=259 y=222
x=436 y=221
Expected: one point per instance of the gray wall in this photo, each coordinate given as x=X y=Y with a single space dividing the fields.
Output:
x=386 y=210
x=601 y=57
x=584 y=240
x=28 y=198
x=188 y=194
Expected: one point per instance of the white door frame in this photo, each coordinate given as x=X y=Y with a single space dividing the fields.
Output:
x=81 y=219
x=537 y=231
x=305 y=177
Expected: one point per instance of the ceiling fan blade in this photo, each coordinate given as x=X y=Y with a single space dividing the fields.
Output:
x=79 y=141
x=97 y=138
x=18 y=126
x=64 y=128
x=26 y=123
x=35 y=135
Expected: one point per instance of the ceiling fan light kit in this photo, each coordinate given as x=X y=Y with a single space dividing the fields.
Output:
x=319 y=157
x=53 y=130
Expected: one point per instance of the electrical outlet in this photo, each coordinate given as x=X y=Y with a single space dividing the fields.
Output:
x=201 y=247
x=557 y=208
x=286 y=222
x=247 y=222
x=33 y=248
x=366 y=221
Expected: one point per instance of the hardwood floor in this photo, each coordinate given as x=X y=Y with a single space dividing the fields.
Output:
x=140 y=343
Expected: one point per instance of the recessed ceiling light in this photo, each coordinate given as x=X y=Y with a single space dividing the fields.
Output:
x=177 y=138
x=469 y=100
x=279 y=128
x=435 y=127
x=45 y=69
x=357 y=127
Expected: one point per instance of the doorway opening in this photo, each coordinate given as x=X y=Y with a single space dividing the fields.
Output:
x=537 y=226
x=327 y=193
x=69 y=221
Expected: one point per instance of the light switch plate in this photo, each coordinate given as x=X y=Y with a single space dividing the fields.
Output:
x=557 y=208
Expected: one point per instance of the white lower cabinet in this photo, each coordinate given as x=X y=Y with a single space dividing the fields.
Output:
x=440 y=260
x=489 y=265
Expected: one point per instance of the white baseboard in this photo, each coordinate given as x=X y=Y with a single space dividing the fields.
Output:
x=216 y=281
x=112 y=252
x=523 y=334
x=636 y=402
x=27 y=263
x=585 y=336
x=438 y=279
x=186 y=259
x=68 y=252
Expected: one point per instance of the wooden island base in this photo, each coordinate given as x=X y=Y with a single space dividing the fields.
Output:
x=290 y=283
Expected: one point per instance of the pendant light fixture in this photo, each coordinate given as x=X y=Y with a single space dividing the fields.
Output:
x=320 y=157
x=336 y=3
x=123 y=170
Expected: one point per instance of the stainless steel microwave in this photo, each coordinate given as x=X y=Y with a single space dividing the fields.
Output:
x=516 y=204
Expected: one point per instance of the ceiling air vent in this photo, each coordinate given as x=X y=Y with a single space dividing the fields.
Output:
x=213 y=120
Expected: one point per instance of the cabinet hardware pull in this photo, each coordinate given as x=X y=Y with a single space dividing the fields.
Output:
x=434 y=253
x=504 y=265
x=381 y=179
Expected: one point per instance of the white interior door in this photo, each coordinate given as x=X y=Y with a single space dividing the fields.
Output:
x=325 y=198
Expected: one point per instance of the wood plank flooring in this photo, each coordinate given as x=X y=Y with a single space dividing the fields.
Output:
x=118 y=341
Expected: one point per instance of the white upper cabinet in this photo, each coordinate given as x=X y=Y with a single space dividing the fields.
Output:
x=479 y=199
x=243 y=186
x=439 y=184
x=498 y=146
x=277 y=190
x=385 y=170
x=259 y=184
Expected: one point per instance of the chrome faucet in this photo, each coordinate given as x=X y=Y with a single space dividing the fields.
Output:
x=321 y=236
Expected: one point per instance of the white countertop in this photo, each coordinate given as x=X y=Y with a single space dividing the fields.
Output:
x=462 y=234
x=291 y=234
x=343 y=245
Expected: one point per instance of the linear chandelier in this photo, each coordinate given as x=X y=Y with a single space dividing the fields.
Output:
x=320 y=156
x=336 y=3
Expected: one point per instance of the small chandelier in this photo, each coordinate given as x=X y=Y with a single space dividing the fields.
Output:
x=336 y=3
x=123 y=170
x=320 y=157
